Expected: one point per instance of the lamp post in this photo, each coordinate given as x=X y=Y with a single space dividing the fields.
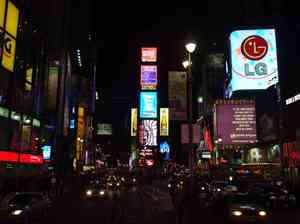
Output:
x=190 y=47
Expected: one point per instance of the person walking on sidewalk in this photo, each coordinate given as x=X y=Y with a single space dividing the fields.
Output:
x=53 y=181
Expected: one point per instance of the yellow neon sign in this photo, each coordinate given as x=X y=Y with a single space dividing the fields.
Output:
x=2 y=12
x=10 y=26
x=12 y=19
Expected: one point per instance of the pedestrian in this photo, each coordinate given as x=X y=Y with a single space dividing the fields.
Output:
x=53 y=181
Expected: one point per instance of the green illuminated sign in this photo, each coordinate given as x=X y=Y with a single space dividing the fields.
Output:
x=4 y=112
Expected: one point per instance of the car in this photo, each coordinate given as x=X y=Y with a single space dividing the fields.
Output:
x=94 y=191
x=218 y=186
x=273 y=196
x=113 y=182
x=19 y=207
x=242 y=208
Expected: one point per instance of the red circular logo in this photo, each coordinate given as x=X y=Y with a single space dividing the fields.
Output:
x=254 y=47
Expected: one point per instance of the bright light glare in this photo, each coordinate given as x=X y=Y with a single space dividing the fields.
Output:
x=89 y=192
x=200 y=99
x=231 y=178
x=17 y=212
x=185 y=63
x=169 y=185
x=237 y=213
x=202 y=188
x=262 y=213
x=190 y=47
x=101 y=192
x=16 y=117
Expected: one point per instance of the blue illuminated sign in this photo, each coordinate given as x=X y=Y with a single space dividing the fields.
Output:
x=148 y=105
x=72 y=123
x=164 y=148
x=253 y=59
x=46 y=152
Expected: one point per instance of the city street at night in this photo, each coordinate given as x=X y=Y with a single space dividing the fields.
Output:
x=125 y=113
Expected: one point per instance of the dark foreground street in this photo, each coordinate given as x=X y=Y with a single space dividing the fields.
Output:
x=143 y=204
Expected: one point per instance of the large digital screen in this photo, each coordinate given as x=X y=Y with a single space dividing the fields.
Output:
x=150 y=132
x=149 y=54
x=148 y=77
x=235 y=122
x=148 y=105
x=253 y=59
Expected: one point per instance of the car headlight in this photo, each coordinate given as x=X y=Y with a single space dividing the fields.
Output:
x=237 y=213
x=169 y=185
x=118 y=184
x=89 y=192
x=102 y=192
x=202 y=188
x=134 y=180
x=218 y=189
x=262 y=213
x=17 y=212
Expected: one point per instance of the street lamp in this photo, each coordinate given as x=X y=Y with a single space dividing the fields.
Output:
x=190 y=47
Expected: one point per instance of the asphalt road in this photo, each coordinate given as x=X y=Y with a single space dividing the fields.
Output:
x=133 y=206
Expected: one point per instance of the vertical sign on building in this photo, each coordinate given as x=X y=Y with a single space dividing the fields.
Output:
x=8 y=33
x=133 y=125
x=80 y=131
x=164 y=122
x=148 y=105
x=177 y=83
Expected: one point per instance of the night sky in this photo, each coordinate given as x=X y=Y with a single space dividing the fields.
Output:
x=119 y=29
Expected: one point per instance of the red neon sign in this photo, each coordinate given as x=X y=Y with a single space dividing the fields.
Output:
x=149 y=54
x=150 y=162
x=21 y=158
x=254 y=47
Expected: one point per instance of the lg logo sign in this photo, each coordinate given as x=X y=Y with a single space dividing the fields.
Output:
x=255 y=48
x=7 y=46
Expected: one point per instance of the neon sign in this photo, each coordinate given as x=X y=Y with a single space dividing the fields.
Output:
x=21 y=157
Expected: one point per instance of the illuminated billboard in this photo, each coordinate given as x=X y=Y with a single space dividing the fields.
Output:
x=253 y=59
x=104 y=129
x=164 y=149
x=46 y=152
x=148 y=77
x=148 y=105
x=235 y=122
x=150 y=132
x=80 y=131
x=15 y=157
x=164 y=122
x=149 y=54
x=177 y=94
x=133 y=124
x=9 y=25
